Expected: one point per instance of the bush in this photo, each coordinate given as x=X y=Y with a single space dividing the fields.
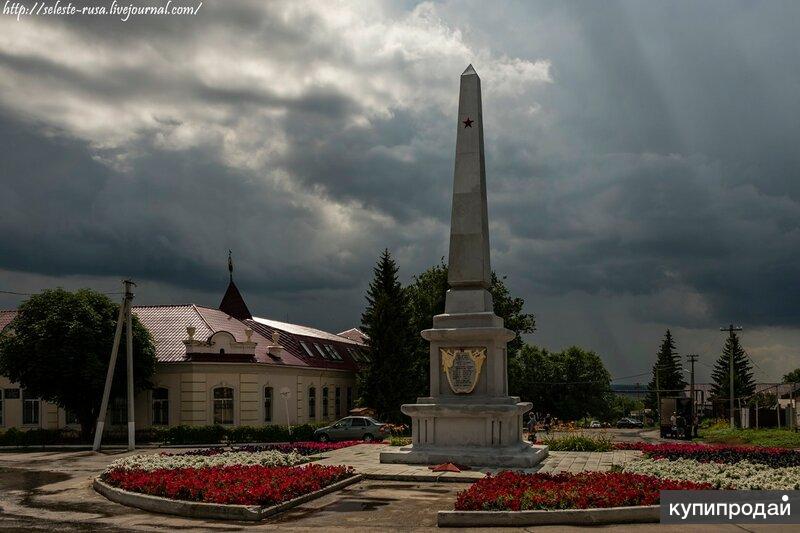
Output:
x=395 y=440
x=579 y=443
x=176 y=435
x=241 y=434
x=39 y=437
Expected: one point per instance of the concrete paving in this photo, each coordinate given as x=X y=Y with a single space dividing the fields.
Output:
x=51 y=491
x=364 y=459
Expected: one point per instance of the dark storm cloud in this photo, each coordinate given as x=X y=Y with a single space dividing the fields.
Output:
x=641 y=157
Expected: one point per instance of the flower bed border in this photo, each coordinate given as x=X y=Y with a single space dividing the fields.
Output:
x=577 y=517
x=219 y=511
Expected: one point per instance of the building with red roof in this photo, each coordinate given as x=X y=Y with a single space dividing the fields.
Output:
x=222 y=366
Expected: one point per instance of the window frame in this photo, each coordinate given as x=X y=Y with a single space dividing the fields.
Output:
x=163 y=404
x=322 y=351
x=335 y=355
x=307 y=349
x=36 y=411
x=337 y=399
x=349 y=398
x=325 y=400
x=222 y=402
x=312 y=402
x=2 y=407
x=268 y=410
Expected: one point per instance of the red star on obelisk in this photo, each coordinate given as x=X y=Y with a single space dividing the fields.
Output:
x=468 y=122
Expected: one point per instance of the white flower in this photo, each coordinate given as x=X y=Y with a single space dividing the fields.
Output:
x=741 y=475
x=151 y=462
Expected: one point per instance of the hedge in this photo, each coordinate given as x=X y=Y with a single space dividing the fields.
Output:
x=215 y=434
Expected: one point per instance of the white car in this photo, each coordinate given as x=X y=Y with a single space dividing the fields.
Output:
x=595 y=424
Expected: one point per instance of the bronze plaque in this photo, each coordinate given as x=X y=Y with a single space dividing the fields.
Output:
x=462 y=366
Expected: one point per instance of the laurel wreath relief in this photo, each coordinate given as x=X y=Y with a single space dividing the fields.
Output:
x=478 y=356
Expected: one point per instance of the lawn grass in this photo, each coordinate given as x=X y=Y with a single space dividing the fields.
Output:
x=781 y=438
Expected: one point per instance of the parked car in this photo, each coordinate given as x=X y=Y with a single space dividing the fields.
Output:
x=353 y=428
x=629 y=423
x=595 y=424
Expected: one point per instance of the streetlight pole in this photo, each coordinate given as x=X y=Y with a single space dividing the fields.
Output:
x=730 y=329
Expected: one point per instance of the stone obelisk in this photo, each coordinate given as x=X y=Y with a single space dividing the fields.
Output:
x=469 y=418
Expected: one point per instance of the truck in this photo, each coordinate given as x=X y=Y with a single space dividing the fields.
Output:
x=683 y=426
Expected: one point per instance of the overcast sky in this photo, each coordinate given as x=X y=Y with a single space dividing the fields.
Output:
x=642 y=161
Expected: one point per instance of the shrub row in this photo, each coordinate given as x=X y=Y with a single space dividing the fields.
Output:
x=578 y=443
x=169 y=435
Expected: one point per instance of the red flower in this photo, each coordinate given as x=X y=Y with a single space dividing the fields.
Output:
x=707 y=453
x=246 y=485
x=516 y=491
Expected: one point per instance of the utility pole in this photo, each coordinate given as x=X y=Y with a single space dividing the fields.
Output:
x=658 y=395
x=730 y=329
x=692 y=360
x=124 y=318
x=129 y=353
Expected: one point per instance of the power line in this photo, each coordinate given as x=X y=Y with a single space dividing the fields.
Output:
x=35 y=293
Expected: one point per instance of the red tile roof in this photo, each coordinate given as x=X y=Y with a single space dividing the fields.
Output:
x=167 y=324
x=354 y=334
x=6 y=316
x=292 y=335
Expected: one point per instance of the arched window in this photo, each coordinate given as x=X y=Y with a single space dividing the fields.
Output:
x=312 y=403
x=324 y=403
x=338 y=399
x=161 y=406
x=223 y=405
x=267 y=404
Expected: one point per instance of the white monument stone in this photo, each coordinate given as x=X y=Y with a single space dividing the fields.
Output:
x=469 y=418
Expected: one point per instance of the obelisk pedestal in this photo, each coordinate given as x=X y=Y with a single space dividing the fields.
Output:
x=469 y=418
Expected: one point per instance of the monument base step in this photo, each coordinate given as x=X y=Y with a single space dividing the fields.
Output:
x=525 y=456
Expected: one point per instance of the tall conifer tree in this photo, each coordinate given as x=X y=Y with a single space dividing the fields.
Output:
x=667 y=373
x=387 y=382
x=743 y=384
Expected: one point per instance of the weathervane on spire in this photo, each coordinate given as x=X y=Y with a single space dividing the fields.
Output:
x=230 y=264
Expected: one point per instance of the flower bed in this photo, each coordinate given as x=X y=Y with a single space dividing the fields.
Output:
x=774 y=457
x=513 y=491
x=744 y=475
x=150 y=462
x=243 y=485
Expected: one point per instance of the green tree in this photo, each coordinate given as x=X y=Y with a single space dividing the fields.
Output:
x=792 y=377
x=387 y=382
x=764 y=400
x=58 y=348
x=569 y=385
x=620 y=406
x=531 y=373
x=743 y=384
x=667 y=373
x=426 y=296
